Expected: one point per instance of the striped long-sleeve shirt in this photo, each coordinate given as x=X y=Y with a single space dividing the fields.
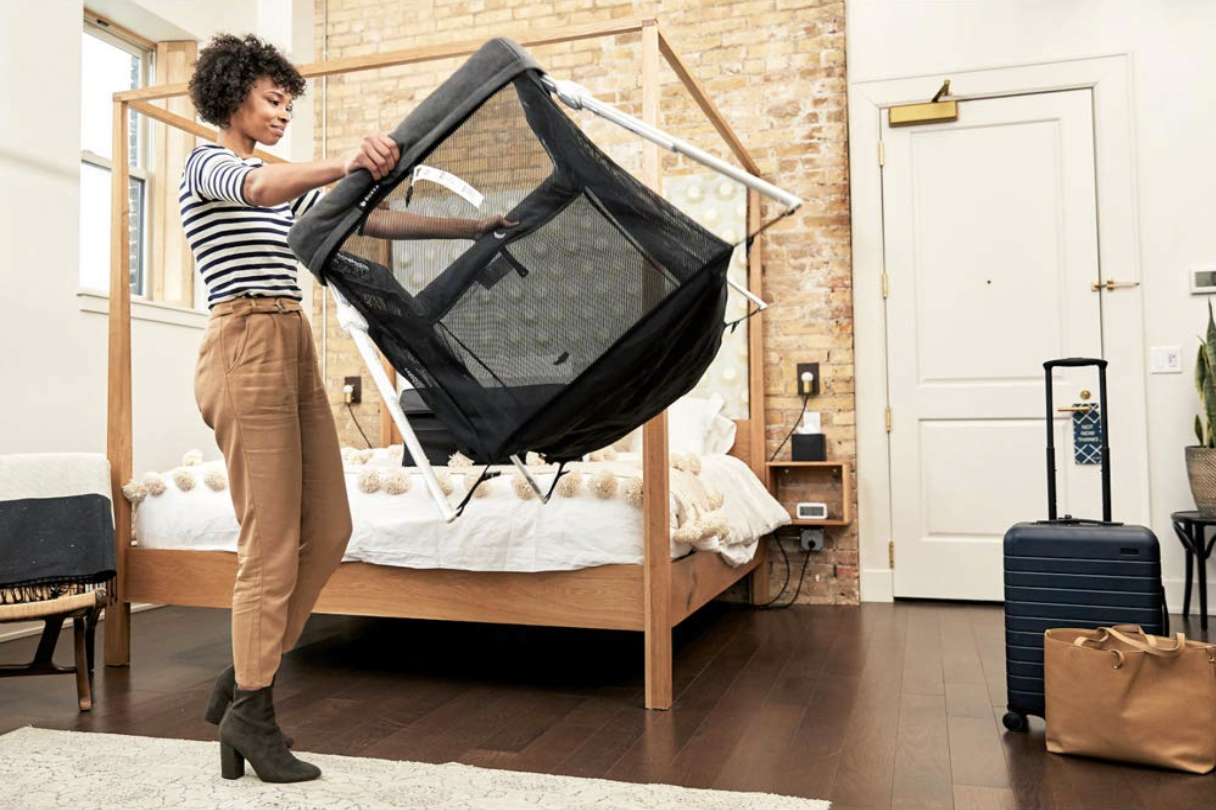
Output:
x=239 y=248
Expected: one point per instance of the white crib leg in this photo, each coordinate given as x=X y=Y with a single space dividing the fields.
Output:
x=532 y=482
x=354 y=324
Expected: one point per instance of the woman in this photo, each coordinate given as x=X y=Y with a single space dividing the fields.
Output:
x=257 y=382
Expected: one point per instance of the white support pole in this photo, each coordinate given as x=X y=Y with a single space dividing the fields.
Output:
x=355 y=325
x=576 y=97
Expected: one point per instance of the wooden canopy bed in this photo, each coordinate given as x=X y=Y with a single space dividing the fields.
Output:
x=651 y=598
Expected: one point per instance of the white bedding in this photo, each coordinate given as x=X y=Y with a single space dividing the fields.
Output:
x=498 y=532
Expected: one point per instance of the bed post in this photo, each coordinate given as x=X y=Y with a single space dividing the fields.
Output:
x=757 y=449
x=656 y=500
x=118 y=409
x=758 y=579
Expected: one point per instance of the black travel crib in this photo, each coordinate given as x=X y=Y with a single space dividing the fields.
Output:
x=559 y=335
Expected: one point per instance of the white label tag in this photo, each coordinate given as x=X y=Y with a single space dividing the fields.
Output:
x=450 y=182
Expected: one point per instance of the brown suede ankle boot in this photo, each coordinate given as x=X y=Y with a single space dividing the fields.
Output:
x=221 y=698
x=249 y=731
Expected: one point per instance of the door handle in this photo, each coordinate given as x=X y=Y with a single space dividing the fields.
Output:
x=1076 y=409
x=1110 y=285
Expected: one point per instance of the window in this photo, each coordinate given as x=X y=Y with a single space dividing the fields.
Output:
x=110 y=63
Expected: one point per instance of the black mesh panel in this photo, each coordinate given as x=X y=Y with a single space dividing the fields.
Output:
x=598 y=309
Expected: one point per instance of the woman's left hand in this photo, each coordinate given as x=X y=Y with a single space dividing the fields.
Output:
x=377 y=153
x=484 y=226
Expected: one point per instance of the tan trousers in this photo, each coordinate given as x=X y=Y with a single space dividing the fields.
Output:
x=259 y=388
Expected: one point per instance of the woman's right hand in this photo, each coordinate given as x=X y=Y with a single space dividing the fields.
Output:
x=377 y=153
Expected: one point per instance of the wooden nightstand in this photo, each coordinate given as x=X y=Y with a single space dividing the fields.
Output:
x=781 y=474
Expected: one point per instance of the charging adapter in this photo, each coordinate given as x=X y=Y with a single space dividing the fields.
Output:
x=811 y=539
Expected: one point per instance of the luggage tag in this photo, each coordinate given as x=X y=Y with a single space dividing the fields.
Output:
x=1087 y=433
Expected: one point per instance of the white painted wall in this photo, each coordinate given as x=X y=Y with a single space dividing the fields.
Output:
x=53 y=355
x=1170 y=47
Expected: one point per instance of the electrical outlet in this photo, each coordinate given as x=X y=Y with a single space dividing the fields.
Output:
x=811 y=539
x=813 y=370
x=356 y=386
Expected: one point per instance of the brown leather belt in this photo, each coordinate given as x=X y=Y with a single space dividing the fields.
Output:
x=243 y=306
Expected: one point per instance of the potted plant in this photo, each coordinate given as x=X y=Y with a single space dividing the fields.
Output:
x=1201 y=458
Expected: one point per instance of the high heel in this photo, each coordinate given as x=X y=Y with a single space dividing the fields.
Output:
x=232 y=764
x=249 y=731
x=221 y=698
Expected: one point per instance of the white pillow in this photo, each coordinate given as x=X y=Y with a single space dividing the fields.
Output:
x=691 y=427
x=721 y=435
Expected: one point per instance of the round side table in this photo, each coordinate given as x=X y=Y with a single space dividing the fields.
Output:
x=1192 y=530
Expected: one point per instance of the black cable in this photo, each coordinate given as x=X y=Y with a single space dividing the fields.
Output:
x=801 y=579
x=356 y=421
x=771 y=604
x=805 y=398
x=785 y=584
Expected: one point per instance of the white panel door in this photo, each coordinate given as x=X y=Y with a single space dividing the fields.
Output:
x=991 y=244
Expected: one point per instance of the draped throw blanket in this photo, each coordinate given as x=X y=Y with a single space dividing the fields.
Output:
x=56 y=525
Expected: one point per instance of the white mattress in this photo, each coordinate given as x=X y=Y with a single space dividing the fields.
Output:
x=499 y=532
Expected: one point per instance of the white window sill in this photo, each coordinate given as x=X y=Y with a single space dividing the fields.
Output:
x=141 y=310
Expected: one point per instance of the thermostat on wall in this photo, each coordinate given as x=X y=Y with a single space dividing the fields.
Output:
x=1203 y=279
x=812 y=511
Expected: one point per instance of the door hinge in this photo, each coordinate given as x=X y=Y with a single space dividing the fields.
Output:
x=886 y=284
x=888 y=419
x=882 y=153
x=891 y=553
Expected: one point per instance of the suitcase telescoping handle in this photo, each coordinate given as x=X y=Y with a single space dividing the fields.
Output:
x=1077 y=362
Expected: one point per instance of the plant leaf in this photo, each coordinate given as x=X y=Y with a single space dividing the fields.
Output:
x=1201 y=368
x=1211 y=337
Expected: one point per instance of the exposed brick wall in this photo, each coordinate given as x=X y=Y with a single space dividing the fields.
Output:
x=776 y=70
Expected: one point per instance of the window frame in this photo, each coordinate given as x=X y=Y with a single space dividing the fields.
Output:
x=97 y=26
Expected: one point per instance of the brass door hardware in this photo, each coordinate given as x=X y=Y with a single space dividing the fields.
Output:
x=1111 y=285
x=931 y=112
x=1076 y=409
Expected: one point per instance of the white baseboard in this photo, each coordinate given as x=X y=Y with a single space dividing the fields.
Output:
x=877 y=585
x=1173 y=596
x=9 y=632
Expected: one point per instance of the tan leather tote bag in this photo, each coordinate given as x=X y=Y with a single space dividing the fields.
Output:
x=1120 y=694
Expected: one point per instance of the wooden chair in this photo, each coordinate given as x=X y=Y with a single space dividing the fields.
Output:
x=84 y=610
x=57 y=521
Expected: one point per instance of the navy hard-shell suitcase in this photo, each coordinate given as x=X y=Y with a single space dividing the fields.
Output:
x=1066 y=572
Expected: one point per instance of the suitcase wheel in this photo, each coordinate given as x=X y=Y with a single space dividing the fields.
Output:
x=1015 y=722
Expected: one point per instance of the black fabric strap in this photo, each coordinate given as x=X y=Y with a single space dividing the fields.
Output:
x=733 y=325
x=751 y=237
x=561 y=468
x=468 y=496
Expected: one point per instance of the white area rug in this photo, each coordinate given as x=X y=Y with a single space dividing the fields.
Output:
x=40 y=768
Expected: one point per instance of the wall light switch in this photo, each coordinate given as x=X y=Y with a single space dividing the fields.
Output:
x=1165 y=360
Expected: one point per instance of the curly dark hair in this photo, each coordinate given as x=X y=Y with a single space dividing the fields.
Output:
x=227 y=69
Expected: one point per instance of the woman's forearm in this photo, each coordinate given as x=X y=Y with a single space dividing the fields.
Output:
x=403 y=225
x=276 y=183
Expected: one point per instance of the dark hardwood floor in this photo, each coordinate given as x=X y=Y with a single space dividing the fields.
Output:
x=878 y=706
